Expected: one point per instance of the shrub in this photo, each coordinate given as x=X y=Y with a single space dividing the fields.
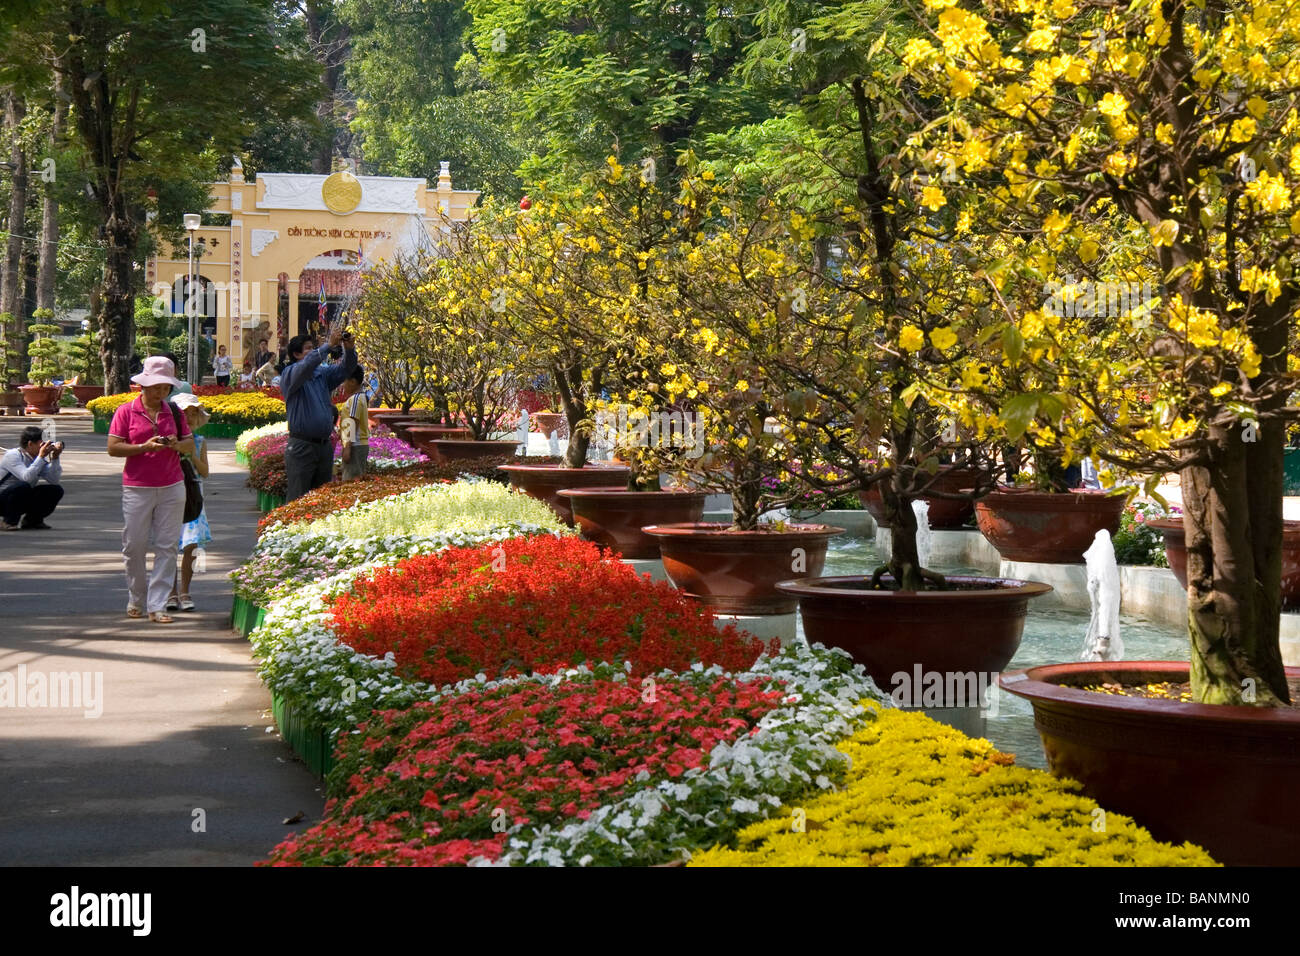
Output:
x=922 y=794
x=105 y=405
x=1135 y=542
x=511 y=608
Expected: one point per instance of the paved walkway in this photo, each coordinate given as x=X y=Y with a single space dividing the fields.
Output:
x=184 y=722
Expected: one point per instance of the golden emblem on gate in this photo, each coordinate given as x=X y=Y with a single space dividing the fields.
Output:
x=341 y=192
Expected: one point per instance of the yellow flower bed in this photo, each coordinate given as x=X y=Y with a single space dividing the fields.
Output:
x=238 y=408
x=106 y=405
x=922 y=794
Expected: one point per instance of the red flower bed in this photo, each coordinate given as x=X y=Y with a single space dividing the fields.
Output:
x=529 y=604
x=425 y=785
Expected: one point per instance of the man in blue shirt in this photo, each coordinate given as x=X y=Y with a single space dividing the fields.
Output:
x=307 y=385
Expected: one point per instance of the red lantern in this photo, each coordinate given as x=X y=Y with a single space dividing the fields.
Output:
x=525 y=203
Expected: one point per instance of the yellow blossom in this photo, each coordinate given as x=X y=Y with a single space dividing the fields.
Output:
x=911 y=338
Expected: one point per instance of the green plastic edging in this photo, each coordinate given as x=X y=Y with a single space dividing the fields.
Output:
x=245 y=616
x=306 y=739
x=1291 y=471
x=100 y=426
x=268 y=502
x=241 y=459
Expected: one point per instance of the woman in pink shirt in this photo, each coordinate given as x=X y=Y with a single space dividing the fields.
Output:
x=151 y=437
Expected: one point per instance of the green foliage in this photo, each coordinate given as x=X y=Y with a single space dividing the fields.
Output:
x=43 y=350
x=639 y=78
x=81 y=358
x=179 y=347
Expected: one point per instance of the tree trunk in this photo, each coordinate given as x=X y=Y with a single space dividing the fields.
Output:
x=1233 y=524
x=49 y=253
x=904 y=561
x=11 y=278
x=117 y=321
x=747 y=490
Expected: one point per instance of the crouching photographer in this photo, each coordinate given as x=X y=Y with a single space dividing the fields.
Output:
x=24 y=501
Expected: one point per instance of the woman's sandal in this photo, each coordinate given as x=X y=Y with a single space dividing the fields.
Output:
x=135 y=613
x=161 y=617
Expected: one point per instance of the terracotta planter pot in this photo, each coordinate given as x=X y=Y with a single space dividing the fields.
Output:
x=548 y=422
x=737 y=572
x=376 y=414
x=945 y=513
x=421 y=435
x=86 y=393
x=42 y=399
x=461 y=449
x=1216 y=775
x=613 y=517
x=401 y=427
x=1046 y=528
x=892 y=631
x=1176 y=552
x=544 y=482
x=12 y=402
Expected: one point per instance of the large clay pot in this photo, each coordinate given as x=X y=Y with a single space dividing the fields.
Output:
x=401 y=427
x=545 y=482
x=548 y=422
x=376 y=415
x=421 y=435
x=945 y=513
x=1176 y=552
x=613 y=517
x=1219 y=776
x=889 y=631
x=736 y=572
x=461 y=449
x=12 y=402
x=1046 y=528
x=86 y=393
x=42 y=399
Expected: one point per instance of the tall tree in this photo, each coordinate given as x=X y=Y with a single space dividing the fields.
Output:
x=645 y=78
x=421 y=100
x=151 y=93
x=11 y=278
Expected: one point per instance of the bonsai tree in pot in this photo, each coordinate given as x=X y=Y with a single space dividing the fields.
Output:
x=82 y=359
x=44 y=354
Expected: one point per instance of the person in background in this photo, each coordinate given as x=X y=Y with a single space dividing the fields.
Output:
x=151 y=434
x=24 y=502
x=246 y=376
x=222 y=366
x=307 y=386
x=181 y=385
x=354 y=429
x=263 y=354
x=197 y=533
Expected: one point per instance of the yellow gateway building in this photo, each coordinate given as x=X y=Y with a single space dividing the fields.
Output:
x=295 y=247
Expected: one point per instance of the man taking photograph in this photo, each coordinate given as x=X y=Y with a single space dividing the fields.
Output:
x=22 y=497
x=307 y=385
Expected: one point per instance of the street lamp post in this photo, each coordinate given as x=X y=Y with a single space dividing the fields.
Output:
x=192 y=223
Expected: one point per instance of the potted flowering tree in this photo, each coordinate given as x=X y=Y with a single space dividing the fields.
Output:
x=1154 y=127
x=565 y=279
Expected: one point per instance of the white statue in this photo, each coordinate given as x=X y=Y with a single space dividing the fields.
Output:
x=924 y=539
x=1103 y=641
